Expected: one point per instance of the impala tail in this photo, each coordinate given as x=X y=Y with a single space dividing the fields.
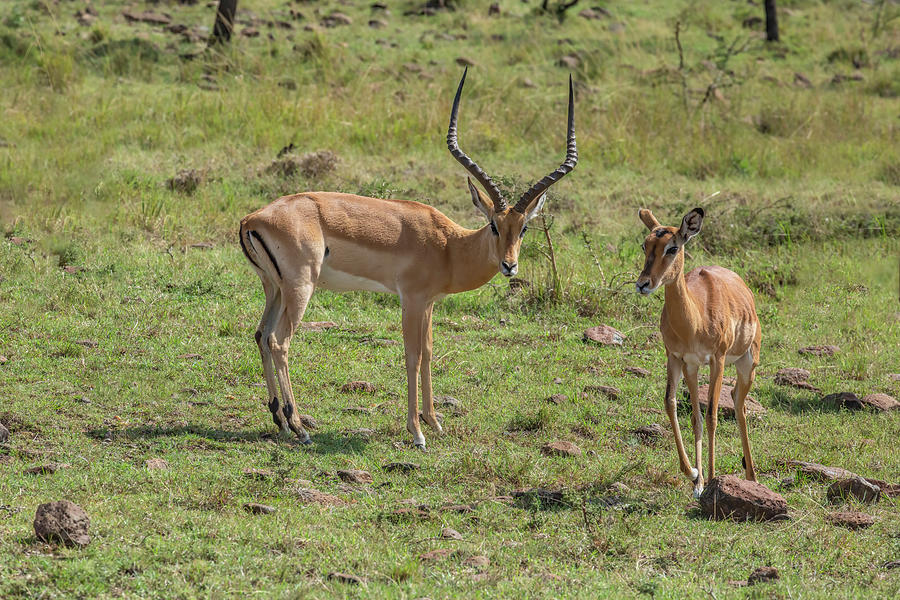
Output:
x=251 y=243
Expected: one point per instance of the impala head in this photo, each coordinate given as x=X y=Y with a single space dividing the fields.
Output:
x=508 y=225
x=663 y=249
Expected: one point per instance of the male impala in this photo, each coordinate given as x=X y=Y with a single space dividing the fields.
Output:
x=708 y=318
x=344 y=242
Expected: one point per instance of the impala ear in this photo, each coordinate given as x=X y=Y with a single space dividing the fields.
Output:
x=535 y=207
x=648 y=219
x=481 y=201
x=690 y=225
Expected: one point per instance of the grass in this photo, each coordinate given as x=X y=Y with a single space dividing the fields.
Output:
x=97 y=120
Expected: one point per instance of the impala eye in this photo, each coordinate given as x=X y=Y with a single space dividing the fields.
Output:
x=524 y=229
x=672 y=251
x=494 y=229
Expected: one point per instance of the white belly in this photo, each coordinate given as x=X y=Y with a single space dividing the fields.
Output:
x=339 y=281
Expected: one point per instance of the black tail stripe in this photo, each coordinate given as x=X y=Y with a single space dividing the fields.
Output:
x=244 y=248
x=266 y=248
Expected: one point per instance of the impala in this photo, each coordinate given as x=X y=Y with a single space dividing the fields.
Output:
x=344 y=242
x=709 y=317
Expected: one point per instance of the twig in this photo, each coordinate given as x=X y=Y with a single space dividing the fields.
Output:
x=590 y=249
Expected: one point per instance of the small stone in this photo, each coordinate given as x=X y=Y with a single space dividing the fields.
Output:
x=4 y=434
x=362 y=432
x=377 y=23
x=313 y=496
x=358 y=386
x=619 y=487
x=188 y=180
x=448 y=401
x=494 y=9
x=891 y=376
x=479 y=562
x=308 y=422
x=345 y=578
x=402 y=467
x=258 y=509
x=465 y=62
x=146 y=17
x=156 y=464
x=762 y=575
x=794 y=377
x=189 y=356
x=819 y=350
x=853 y=487
x=556 y=399
x=637 y=371
x=355 y=476
x=558 y=381
x=538 y=497
x=88 y=343
x=527 y=83
x=820 y=472
x=605 y=335
x=801 y=80
x=603 y=390
x=571 y=62
x=62 y=521
x=47 y=469
x=851 y=519
x=259 y=474
x=450 y=534
x=436 y=555
x=360 y=410
x=317 y=325
x=458 y=508
x=650 y=434
x=336 y=19
x=729 y=497
x=560 y=448
x=881 y=402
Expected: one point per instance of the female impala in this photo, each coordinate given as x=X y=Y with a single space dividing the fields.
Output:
x=344 y=242
x=708 y=318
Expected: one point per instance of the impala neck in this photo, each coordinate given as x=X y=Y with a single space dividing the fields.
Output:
x=472 y=260
x=681 y=308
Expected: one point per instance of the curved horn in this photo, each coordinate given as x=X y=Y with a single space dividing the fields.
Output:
x=469 y=164
x=571 y=160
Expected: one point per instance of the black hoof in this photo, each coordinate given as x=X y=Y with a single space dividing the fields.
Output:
x=306 y=442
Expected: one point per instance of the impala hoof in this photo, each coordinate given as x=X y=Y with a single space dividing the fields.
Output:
x=697 y=492
x=306 y=442
x=421 y=446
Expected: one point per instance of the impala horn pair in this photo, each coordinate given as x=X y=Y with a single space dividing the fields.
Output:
x=490 y=187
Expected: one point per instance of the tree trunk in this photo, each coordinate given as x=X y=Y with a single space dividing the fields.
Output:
x=224 y=22
x=771 y=22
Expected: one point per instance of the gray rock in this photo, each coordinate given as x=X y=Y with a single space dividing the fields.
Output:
x=853 y=487
x=729 y=497
x=62 y=521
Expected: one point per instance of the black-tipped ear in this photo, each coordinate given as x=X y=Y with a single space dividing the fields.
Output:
x=690 y=224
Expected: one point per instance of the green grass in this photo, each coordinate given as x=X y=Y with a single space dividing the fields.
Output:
x=96 y=119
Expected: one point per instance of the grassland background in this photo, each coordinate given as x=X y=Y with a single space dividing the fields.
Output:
x=95 y=119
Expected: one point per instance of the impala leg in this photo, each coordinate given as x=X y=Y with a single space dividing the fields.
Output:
x=427 y=398
x=690 y=377
x=293 y=305
x=673 y=377
x=746 y=371
x=716 y=370
x=413 y=323
x=266 y=327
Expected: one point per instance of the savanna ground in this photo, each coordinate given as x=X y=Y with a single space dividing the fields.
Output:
x=97 y=117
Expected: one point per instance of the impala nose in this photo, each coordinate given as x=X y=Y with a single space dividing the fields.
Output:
x=642 y=287
x=509 y=269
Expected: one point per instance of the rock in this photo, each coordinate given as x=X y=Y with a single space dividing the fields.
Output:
x=345 y=578
x=819 y=350
x=762 y=575
x=794 y=377
x=560 y=448
x=259 y=474
x=336 y=19
x=314 y=496
x=186 y=181
x=362 y=432
x=436 y=555
x=189 y=356
x=360 y=410
x=603 y=390
x=355 y=476
x=308 y=422
x=88 y=343
x=820 y=472
x=62 y=521
x=403 y=467
x=358 y=386
x=494 y=9
x=851 y=519
x=881 y=402
x=605 y=335
x=637 y=371
x=726 y=403
x=801 y=80
x=450 y=534
x=156 y=464
x=729 y=497
x=409 y=513
x=317 y=325
x=250 y=32
x=539 y=497
x=894 y=376
x=4 y=434
x=147 y=17
x=458 y=508
x=853 y=487
x=569 y=61
x=556 y=399
x=596 y=13
x=527 y=83
x=891 y=490
x=479 y=562
x=650 y=433
x=72 y=269
x=377 y=23
x=47 y=469
x=258 y=509
x=448 y=402
x=619 y=487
